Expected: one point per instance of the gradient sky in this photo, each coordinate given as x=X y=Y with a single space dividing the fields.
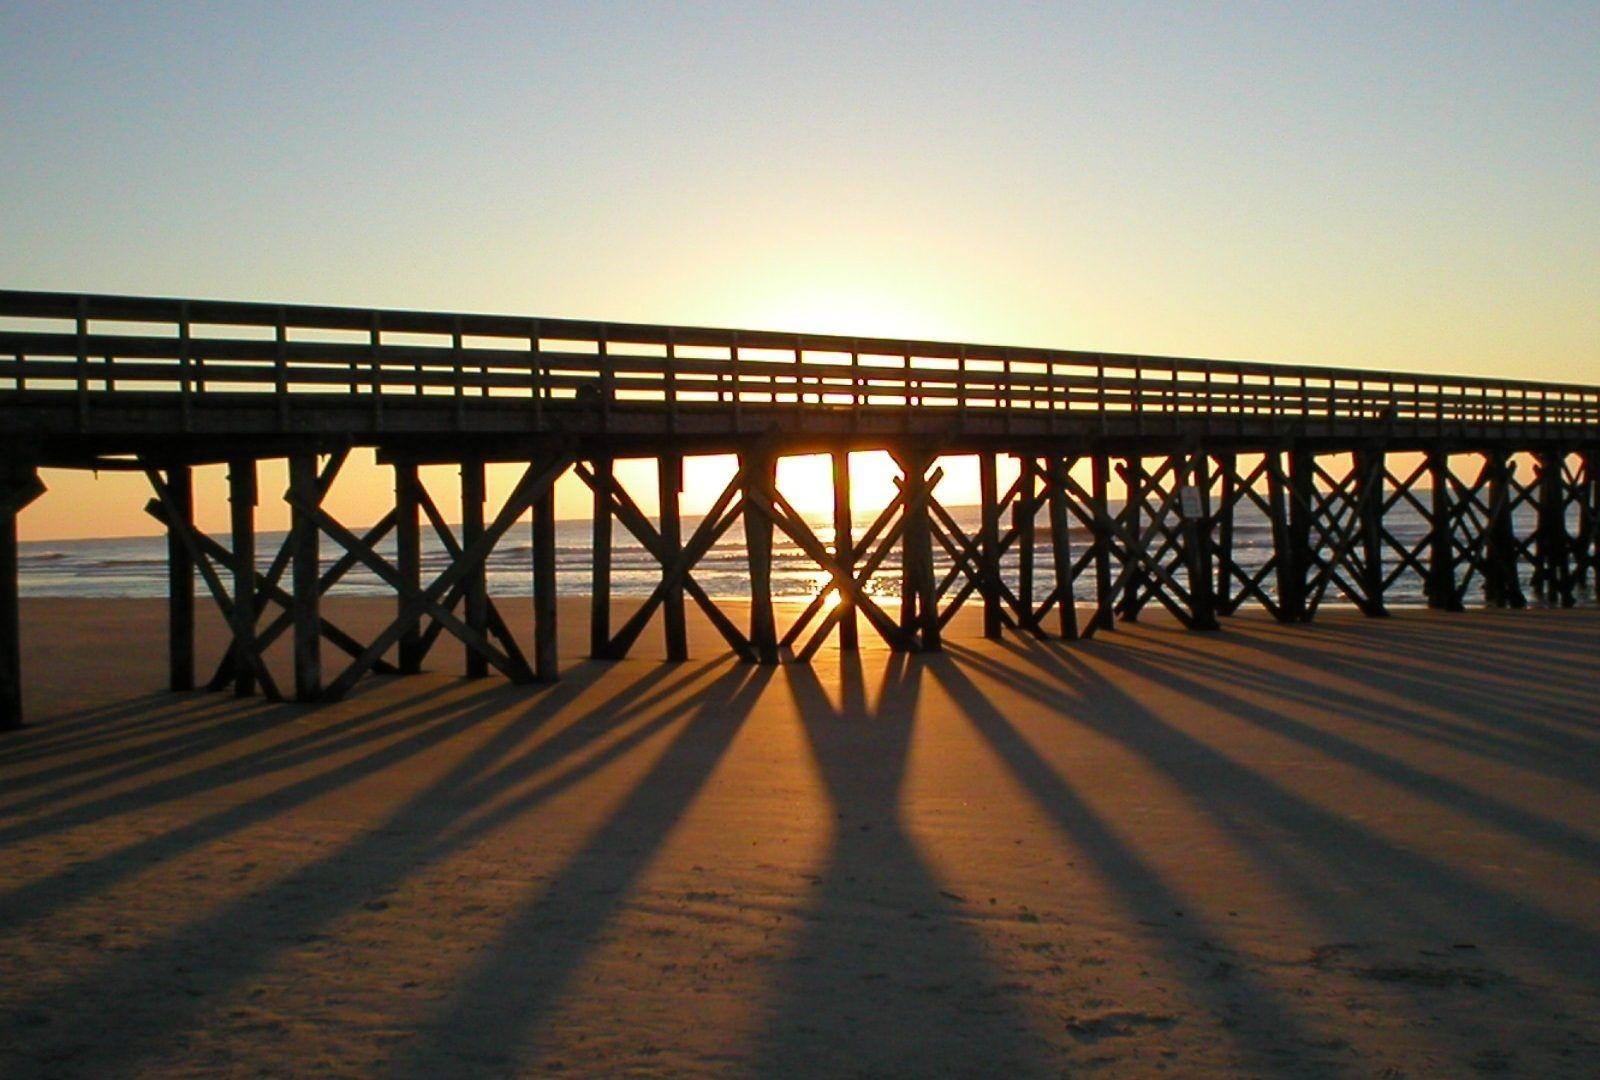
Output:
x=1408 y=186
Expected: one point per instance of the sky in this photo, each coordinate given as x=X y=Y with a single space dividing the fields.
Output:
x=1408 y=186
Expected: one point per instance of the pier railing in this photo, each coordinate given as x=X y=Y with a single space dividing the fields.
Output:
x=201 y=350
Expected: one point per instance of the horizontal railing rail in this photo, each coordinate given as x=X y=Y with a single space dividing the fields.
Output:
x=95 y=345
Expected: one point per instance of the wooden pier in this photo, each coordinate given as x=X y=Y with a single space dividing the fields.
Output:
x=162 y=386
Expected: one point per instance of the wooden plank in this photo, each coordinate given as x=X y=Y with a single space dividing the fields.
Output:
x=304 y=495
x=180 y=580
x=242 y=506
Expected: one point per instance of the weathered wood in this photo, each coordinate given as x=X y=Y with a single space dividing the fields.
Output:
x=304 y=496
x=760 y=472
x=180 y=581
x=242 y=504
x=670 y=487
x=473 y=496
x=844 y=548
x=546 y=666
x=408 y=558
x=600 y=579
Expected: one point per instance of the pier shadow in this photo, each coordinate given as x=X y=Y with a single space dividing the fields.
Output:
x=888 y=975
x=516 y=768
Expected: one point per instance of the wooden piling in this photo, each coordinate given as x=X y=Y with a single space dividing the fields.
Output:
x=600 y=580
x=1133 y=583
x=1197 y=542
x=1101 y=477
x=1369 y=494
x=180 y=581
x=844 y=549
x=1224 y=516
x=760 y=469
x=1023 y=520
x=1061 y=547
x=306 y=571
x=670 y=476
x=242 y=507
x=546 y=667
x=18 y=487
x=473 y=495
x=989 y=542
x=1441 y=584
x=408 y=559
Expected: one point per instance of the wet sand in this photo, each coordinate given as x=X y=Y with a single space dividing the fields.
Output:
x=1364 y=848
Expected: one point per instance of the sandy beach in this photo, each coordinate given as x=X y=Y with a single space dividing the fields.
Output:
x=1355 y=848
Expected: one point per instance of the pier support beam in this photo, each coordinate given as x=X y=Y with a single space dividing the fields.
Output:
x=844 y=549
x=180 y=580
x=546 y=666
x=670 y=485
x=305 y=494
x=408 y=558
x=760 y=474
x=989 y=540
x=600 y=550
x=1369 y=499
x=19 y=486
x=242 y=507
x=473 y=496
x=1101 y=509
x=1441 y=585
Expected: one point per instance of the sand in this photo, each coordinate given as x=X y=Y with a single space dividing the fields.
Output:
x=1363 y=848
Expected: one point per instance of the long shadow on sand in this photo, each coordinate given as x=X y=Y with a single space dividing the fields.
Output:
x=887 y=977
x=241 y=938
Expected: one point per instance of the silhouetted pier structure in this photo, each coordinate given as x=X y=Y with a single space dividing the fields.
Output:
x=162 y=386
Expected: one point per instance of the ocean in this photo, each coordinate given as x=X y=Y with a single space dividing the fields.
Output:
x=136 y=566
